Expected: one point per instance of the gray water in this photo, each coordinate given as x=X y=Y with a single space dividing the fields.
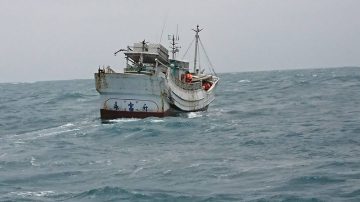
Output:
x=268 y=136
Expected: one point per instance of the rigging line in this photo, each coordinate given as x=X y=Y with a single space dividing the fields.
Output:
x=211 y=65
x=163 y=64
x=188 y=48
x=199 y=59
x=162 y=31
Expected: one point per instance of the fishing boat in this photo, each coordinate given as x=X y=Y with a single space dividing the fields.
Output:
x=154 y=85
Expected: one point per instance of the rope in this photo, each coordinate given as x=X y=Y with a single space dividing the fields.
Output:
x=211 y=65
x=162 y=30
x=199 y=58
x=188 y=49
x=163 y=64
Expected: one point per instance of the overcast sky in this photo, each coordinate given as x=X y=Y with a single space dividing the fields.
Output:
x=56 y=40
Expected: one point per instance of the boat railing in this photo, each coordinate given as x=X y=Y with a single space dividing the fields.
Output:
x=134 y=69
x=130 y=68
x=181 y=84
x=186 y=85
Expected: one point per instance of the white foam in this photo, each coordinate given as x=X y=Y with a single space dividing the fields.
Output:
x=32 y=161
x=244 y=81
x=67 y=125
x=124 y=120
x=137 y=170
x=55 y=133
x=19 y=142
x=156 y=121
x=46 y=133
x=108 y=162
x=192 y=115
x=33 y=193
x=194 y=165
x=2 y=155
x=103 y=161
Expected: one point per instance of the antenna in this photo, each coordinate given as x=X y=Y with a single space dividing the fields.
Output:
x=173 y=43
x=162 y=30
x=177 y=32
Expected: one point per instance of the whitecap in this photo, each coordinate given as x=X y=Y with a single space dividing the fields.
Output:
x=137 y=170
x=32 y=161
x=108 y=162
x=67 y=125
x=19 y=142
x=244 y=81
x=103 y=161
x=55 y=133
x=156 y=121
x=194 y=165
x=80 y=100
x=33 y=193
x=33 y=135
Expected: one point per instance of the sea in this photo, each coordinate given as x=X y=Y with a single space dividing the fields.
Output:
x=289 y=135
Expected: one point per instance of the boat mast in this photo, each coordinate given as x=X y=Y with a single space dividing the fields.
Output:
x=173 y=43
x=196 y=45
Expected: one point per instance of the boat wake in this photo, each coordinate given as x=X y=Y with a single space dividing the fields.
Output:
x=192 y=115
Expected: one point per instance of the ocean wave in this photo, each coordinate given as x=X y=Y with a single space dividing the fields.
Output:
x=253 y=143
x=123 y=120
x=314 y=180
x=340 y=164
x=157 y=120
x=72 y=96
x=26 y=194
x=109 y=193
x=244 y=81
x=36 y=178
x=48 y=133
x=340 y=81
x=67 y=125
x=192 y=115
x=352 y=194
x=289 y=198
x=43 y=133
x=270 y=139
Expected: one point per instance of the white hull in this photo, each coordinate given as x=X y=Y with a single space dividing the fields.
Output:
x=141 y=95
x=189 y=100
x=132 y=93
